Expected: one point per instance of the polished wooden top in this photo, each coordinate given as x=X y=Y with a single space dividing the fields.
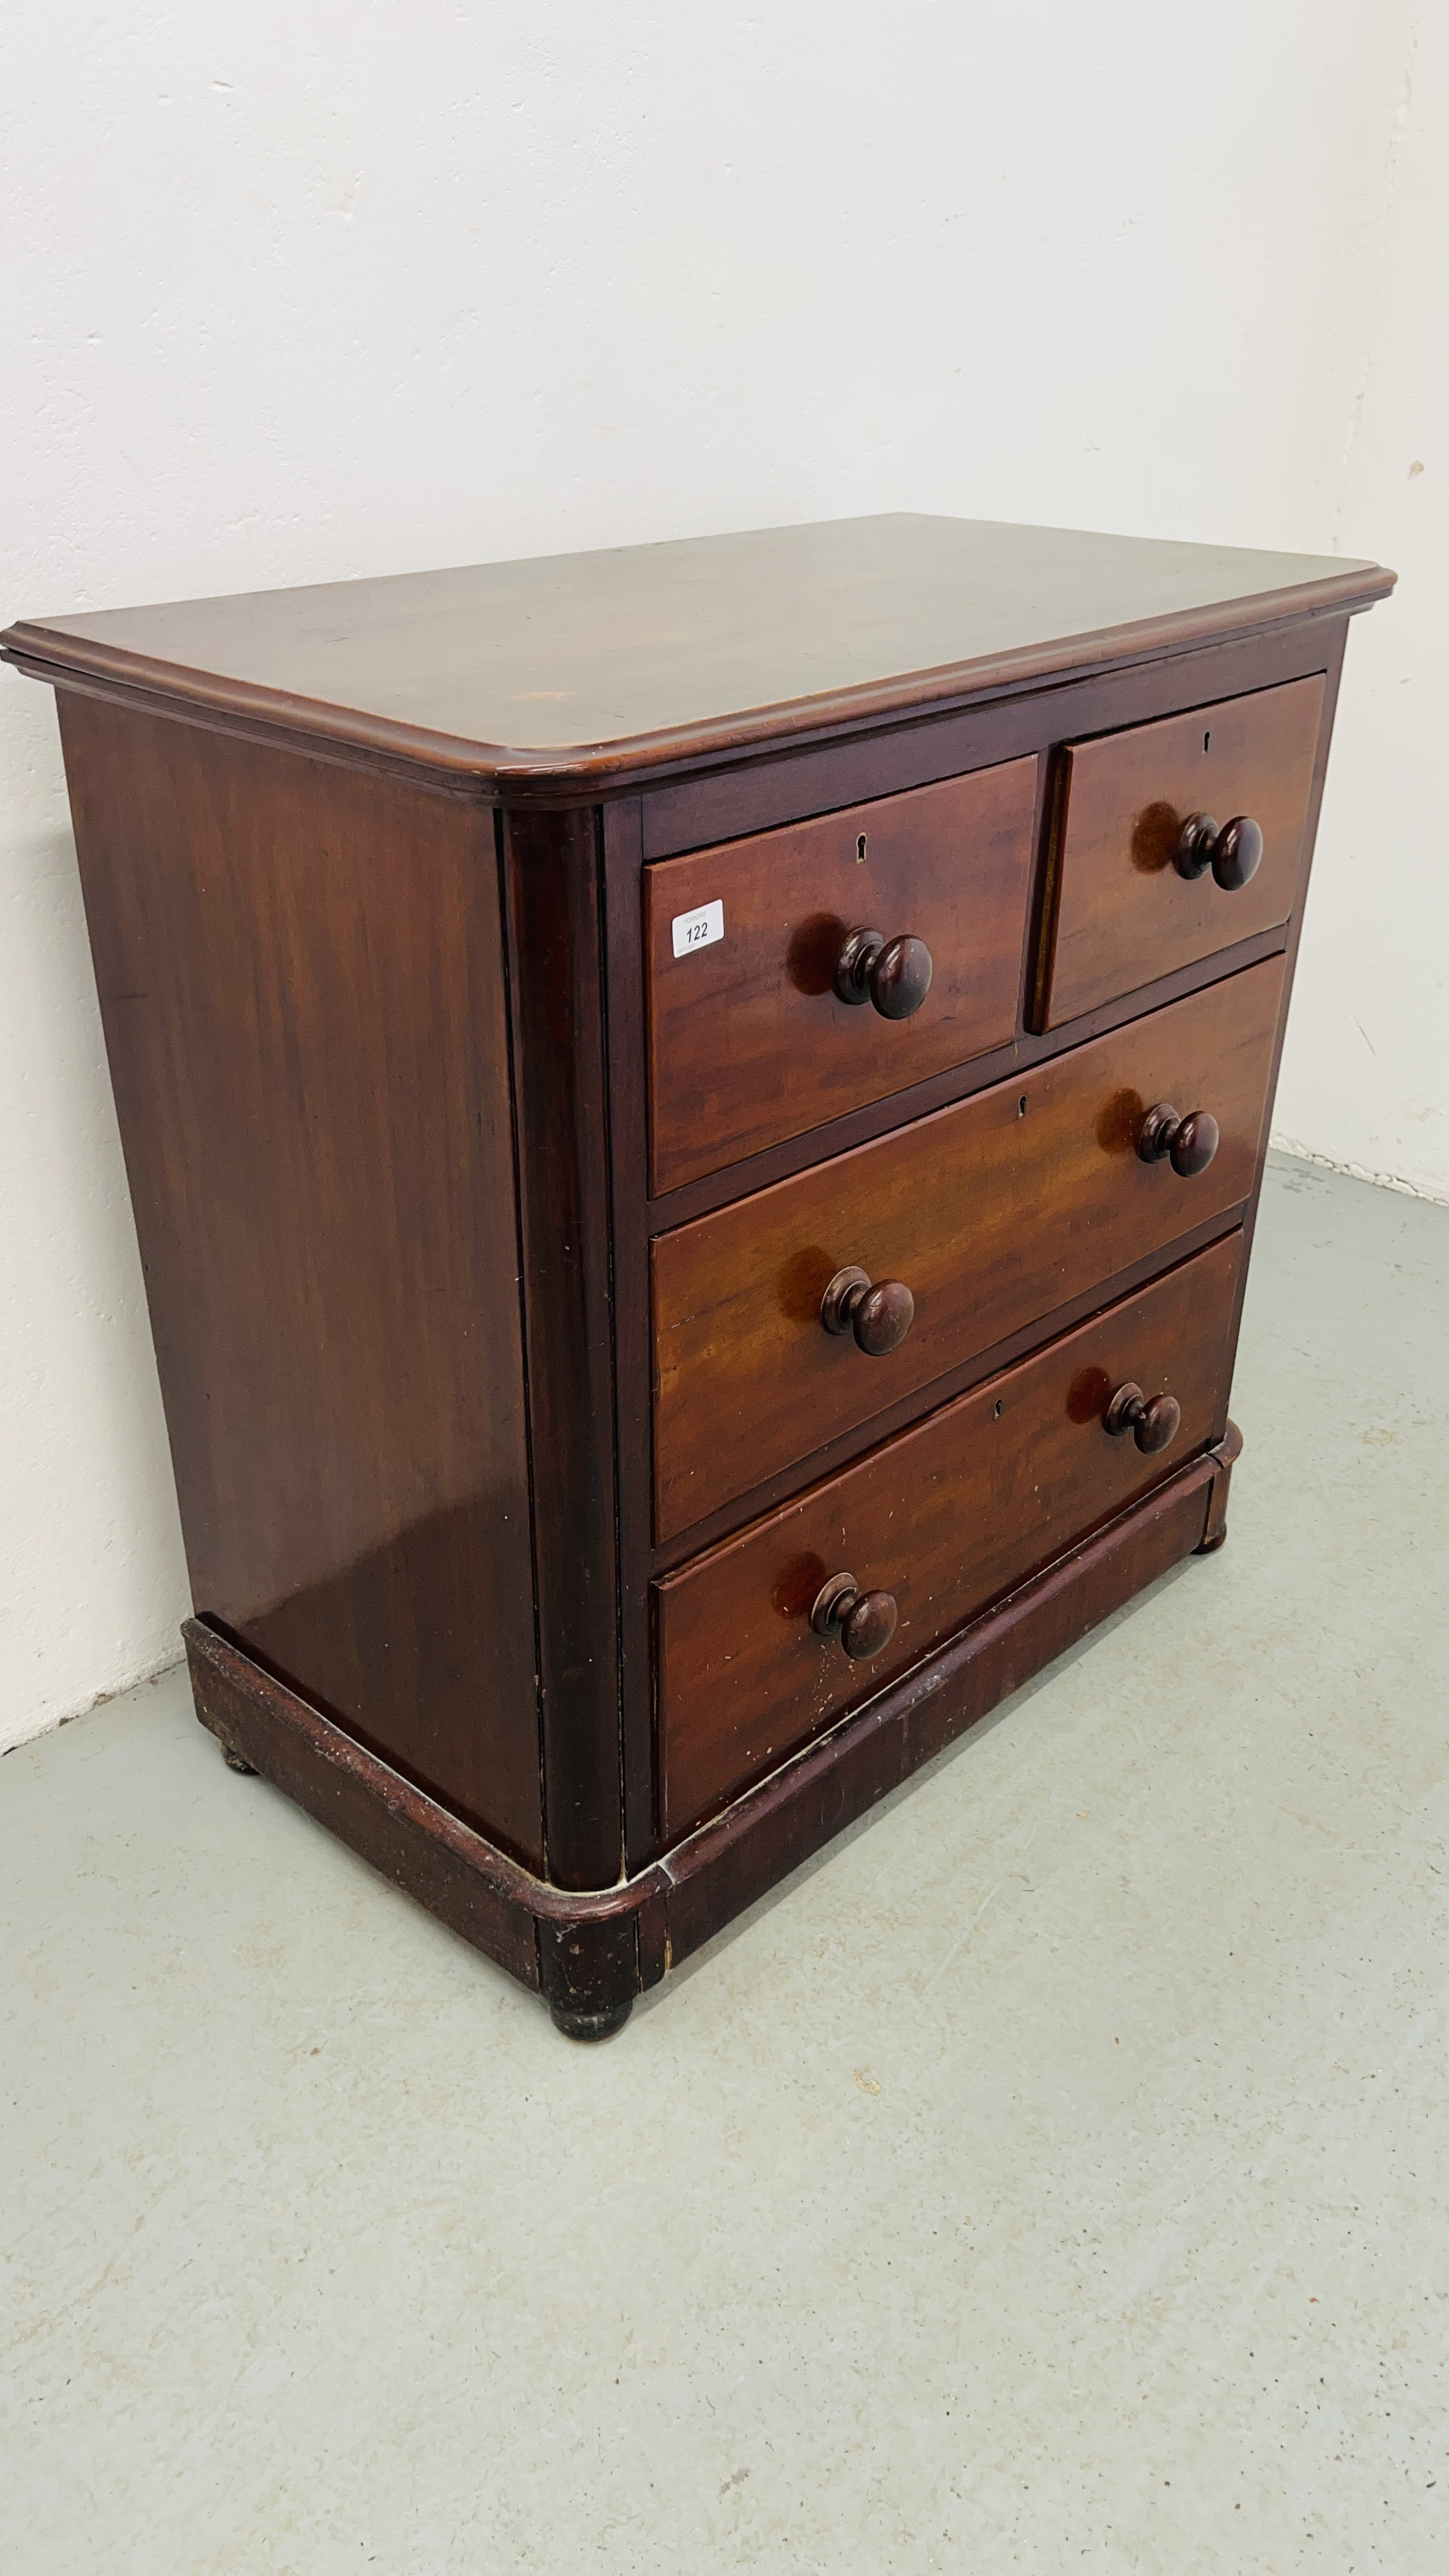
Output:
x=582 y=667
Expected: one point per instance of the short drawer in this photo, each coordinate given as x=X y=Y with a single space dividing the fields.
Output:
x=1121 y=912
x=993 y=1213
x=748 y=1039
x=945 y=1520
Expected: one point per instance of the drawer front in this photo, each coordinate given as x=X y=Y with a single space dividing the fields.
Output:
x=946 y=1518
x=748 y=1042
x=1123 y=912
x=993 y=1213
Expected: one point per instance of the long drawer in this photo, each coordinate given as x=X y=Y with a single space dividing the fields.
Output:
x=991 y=1214
x=941 y=1521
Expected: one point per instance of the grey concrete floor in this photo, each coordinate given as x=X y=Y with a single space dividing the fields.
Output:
x=1054 y=2175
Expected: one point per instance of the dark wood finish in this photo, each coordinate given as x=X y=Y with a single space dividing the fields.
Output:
x=1225 y=1454
x=771 y=1491
x=589 y=1973
x=1189 y=1143
x=877 y=1316
x=943 y=1518
x=581 y=1953
x=622 y=858
x=749 y=1038
x=570 y=672
x=674 y=1905
x=555 y=965
x=993 y=1212
x=1121 y=911
x=862 y=1623
x=726 y=796
x=1153 y=1420
x=963 y=1082
x=893 y=975
x=1233 y=850
x=417 y=1843
x=382 y=1078
x=729 y=1863
x=308 y=1043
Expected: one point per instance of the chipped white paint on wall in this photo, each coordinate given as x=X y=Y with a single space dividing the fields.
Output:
x=305 y=294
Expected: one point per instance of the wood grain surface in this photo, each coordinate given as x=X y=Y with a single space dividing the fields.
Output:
x=1120 y=913
x=470 y=1387
x=560 y=1096
x=671 y=1906
x=733 y=1858
x=575 y=669
x=748 y=1042
x=993 y=1212
x=945 y=1518
x=299 y=977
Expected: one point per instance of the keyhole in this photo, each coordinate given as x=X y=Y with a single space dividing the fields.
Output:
x=1207 y=738
x=997 y=1416
x=1021 y=1106
x=860 y=844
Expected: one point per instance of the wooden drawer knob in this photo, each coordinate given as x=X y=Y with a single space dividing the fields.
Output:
x=1233 y=853
x=880 y=1316
x=1153 y=1424
x=865 y=1622
x=1189 y=1143
x=894 y=974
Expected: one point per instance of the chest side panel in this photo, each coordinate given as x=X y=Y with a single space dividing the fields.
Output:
x=300 y=982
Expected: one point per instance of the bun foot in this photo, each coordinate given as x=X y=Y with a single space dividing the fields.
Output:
x=591 y=2025
x=589 y=1973
x=238 y=1761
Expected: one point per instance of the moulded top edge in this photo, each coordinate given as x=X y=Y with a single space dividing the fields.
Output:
x=581 y=668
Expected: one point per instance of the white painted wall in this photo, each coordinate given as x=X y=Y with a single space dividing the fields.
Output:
x=352 y=286
x=1365 y=1079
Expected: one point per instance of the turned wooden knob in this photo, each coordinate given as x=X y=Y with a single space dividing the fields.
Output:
x=865 y=1622
x=879 y=1315
x=894 y=974
x=1233 y=853
x=1153 y=1423
x=1189 y=1143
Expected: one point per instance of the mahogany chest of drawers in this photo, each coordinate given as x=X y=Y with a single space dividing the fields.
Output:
x=694 y=1117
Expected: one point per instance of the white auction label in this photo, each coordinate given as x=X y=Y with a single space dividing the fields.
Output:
x=697 y=929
